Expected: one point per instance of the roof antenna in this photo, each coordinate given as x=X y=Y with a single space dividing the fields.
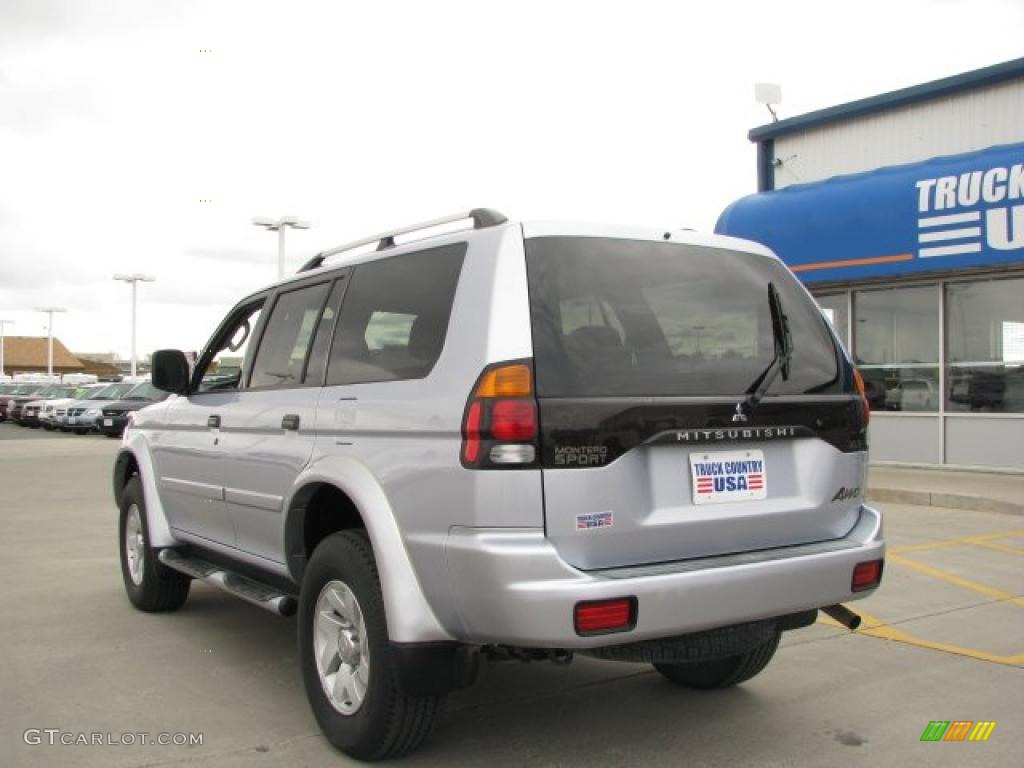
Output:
x=768 y=94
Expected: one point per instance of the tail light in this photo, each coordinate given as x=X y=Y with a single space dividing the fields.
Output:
x=499 y=427
x=858 y=380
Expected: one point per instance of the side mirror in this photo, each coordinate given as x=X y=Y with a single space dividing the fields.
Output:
x=170 y=371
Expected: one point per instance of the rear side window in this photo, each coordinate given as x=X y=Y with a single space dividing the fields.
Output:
x=394 y=318
x=282 y=352
x=642 y=318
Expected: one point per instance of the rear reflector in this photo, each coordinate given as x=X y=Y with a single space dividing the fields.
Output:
x=602 y=616
x=866 y=575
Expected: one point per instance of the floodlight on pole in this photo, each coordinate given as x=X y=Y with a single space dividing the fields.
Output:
x=2 y=324
x=135 y=278
x=279 y=226
x=49 y=327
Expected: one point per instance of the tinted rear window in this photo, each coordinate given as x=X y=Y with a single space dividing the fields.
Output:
x=642 y=318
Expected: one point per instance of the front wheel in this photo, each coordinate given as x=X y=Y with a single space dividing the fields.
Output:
x=721 y=673
x=151 y=585
x=346 y=658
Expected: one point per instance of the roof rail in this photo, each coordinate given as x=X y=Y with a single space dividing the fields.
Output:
x=482 y=217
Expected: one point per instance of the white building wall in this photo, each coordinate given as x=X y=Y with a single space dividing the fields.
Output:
x=949 y=125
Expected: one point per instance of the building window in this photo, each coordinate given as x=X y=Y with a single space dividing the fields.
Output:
x=985 y=346
x=835 y=309
x=896 y=347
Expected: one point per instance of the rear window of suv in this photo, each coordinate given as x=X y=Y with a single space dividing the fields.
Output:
x=641 y=318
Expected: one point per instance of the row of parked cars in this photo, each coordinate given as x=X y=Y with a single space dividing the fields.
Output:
x=103 y=408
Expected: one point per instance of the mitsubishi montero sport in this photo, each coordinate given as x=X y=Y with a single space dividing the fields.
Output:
x=510 y=440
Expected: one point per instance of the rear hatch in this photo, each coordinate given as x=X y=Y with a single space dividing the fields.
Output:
x=642 y=351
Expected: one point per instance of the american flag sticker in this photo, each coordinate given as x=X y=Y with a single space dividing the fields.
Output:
x=728 y=476
x=592 y=520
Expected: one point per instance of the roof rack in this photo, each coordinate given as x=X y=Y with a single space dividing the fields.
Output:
x=482 y=217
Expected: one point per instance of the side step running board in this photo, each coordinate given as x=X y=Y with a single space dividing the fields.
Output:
x=250 y=590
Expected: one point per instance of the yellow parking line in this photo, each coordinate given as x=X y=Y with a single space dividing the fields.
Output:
x=938 y=573
x=999 y=547
x=953 y=542
x=873 y=627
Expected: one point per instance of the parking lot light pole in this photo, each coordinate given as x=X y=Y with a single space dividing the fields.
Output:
x=49 y=326
x=135 y=278
x=2 y=324
x=279 y=226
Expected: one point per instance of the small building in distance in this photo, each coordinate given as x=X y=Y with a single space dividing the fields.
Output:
x=28 y=354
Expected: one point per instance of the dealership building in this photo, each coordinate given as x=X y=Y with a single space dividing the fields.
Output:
x=903 y=214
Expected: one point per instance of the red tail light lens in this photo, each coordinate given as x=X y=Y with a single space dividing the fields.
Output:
x=471 y=441
x=500 y=425
x=603 y=616
x=867 y=575
x=514 y=420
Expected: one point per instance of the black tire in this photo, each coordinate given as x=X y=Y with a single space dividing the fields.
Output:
x=161 y=588
x=721 y=673
x=388 y=723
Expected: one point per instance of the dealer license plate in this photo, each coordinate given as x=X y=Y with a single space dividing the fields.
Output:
x=721 y=476
x=108 y=422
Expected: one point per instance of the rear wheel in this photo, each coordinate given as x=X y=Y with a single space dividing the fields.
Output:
x=346 y=658
x=721 y=673
x=151 y=586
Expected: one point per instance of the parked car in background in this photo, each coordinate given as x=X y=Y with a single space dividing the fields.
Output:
x=39 y=392
x=80 y=416
x=115 y=415
x=47 y=411
x=32 y=410
x=16 y=391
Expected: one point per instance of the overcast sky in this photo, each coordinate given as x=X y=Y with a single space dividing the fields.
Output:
x=115 y=125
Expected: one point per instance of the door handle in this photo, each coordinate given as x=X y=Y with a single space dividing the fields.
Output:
x=213 y=422
x=290 y=421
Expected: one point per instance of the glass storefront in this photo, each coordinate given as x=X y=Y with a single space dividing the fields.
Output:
x=985 y=346
x=896 y=347
x=951 y=350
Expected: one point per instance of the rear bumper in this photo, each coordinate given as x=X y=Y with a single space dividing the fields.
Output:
x=511 y=587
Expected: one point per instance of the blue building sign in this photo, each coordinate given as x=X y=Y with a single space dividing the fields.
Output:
x=948 y=213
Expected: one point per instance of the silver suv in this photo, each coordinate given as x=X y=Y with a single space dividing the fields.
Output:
x=510 y=440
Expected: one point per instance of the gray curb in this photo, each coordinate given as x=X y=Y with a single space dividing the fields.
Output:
x=948 y=500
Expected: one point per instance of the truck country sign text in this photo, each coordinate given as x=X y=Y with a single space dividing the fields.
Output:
x=947 y=228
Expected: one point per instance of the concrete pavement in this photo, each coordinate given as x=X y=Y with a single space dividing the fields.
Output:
x=944 y=640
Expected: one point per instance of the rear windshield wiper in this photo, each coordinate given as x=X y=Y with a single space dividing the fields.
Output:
x=780 y=361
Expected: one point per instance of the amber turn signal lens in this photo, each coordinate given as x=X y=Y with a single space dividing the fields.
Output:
x=506 y=381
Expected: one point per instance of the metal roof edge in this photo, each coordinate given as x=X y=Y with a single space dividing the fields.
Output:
x=997 y=73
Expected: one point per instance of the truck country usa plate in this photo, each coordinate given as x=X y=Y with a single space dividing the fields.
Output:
x=721 y=476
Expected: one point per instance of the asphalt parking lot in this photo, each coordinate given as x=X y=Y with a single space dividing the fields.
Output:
x=943 y=640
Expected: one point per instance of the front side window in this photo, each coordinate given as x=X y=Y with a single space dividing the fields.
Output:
x=281 y=359
x=394 y=318
x=224 y=363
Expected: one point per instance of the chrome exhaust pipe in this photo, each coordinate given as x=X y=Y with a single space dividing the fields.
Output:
x=843 y=615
